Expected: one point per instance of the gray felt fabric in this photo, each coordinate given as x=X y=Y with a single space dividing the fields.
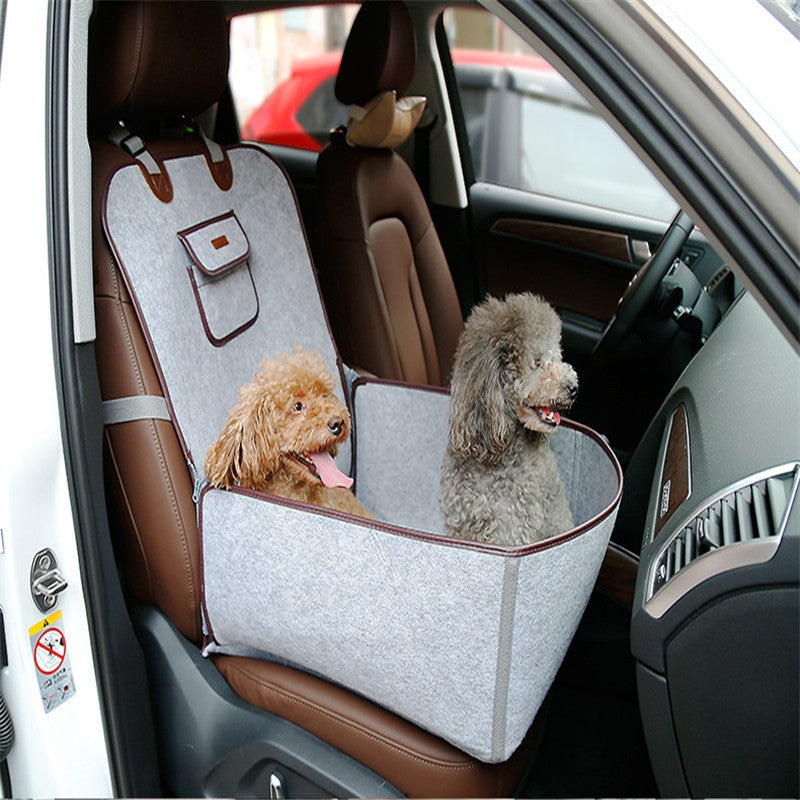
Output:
x=203 y=380
x=590 y=483
x=401 y=440
x=408 y=623
x=228 y=301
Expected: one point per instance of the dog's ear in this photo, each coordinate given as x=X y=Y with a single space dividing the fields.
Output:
x=481 y=426
x=246 y=452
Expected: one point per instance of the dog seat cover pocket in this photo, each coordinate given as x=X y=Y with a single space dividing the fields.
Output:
x=220 y=275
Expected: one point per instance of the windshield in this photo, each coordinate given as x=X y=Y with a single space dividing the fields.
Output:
x=754 y=50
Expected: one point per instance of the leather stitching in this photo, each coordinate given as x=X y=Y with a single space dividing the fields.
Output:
x=130 y=514
x=349 y=724
x=187 y=562
x=429 y=354
x=127 y=331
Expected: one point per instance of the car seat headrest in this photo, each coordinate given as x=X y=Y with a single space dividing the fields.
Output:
x=380 y=53
x=152 y=61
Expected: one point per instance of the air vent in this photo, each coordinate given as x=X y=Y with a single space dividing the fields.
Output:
x=717 y=278
x=753 y=512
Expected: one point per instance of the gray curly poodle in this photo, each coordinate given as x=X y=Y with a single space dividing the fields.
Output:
x=500 y=480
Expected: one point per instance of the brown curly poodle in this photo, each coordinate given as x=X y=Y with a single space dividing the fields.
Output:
x=282 y=435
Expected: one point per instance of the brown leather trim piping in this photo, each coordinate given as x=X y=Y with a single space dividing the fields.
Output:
x=352 y=725
x=207 y=328
x=160 y=184
x=212 y=273
x=209 y=629
x=442 y=540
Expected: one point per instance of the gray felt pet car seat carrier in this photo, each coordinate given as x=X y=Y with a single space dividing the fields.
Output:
x=461 y=638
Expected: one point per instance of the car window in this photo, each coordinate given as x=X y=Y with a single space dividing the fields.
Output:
x=529 y=129
x=2 y=27
x=283 y=68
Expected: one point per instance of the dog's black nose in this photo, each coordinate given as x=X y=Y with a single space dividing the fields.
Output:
x=572 y=390
x=336 y=425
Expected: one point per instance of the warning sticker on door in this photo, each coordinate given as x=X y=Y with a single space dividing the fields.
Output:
x=51 y=659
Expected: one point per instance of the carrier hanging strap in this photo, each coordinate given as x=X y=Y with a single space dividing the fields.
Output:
x=154 y=173
x=134 y=146
x=215 y=152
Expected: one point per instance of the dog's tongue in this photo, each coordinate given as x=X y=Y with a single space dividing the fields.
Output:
x=328 y=472
x=549 y=415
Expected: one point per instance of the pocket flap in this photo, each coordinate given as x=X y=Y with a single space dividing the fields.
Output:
x=216 y=245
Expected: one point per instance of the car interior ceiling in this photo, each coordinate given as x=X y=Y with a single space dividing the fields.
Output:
x=591 y=742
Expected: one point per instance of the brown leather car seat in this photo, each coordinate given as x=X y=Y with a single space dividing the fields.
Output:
x=152 y=64
x=388 y=290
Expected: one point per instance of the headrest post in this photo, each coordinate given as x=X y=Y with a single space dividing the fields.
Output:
x=215 y=152
x=134 y=146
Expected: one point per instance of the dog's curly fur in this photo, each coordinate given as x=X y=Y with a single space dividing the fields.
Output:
x=500 y=480
x=289 y=409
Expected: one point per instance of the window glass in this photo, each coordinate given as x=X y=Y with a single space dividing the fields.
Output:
x=2 y=26
x=529 y=129
x=283 y=68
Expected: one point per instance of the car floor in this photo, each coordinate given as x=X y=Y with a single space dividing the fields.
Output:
x=593 y=744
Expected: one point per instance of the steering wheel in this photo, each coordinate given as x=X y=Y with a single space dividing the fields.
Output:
x=643 y=286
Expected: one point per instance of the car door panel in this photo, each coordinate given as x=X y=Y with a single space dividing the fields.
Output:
x=577 y=257
x=580 y=258
x=580 y=270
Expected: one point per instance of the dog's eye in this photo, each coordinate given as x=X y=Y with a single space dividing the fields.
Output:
x=297 y=407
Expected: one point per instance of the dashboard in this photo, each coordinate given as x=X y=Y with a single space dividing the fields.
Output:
x=717 y=609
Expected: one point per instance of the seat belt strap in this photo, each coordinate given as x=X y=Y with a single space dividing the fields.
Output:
x=136 y=407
